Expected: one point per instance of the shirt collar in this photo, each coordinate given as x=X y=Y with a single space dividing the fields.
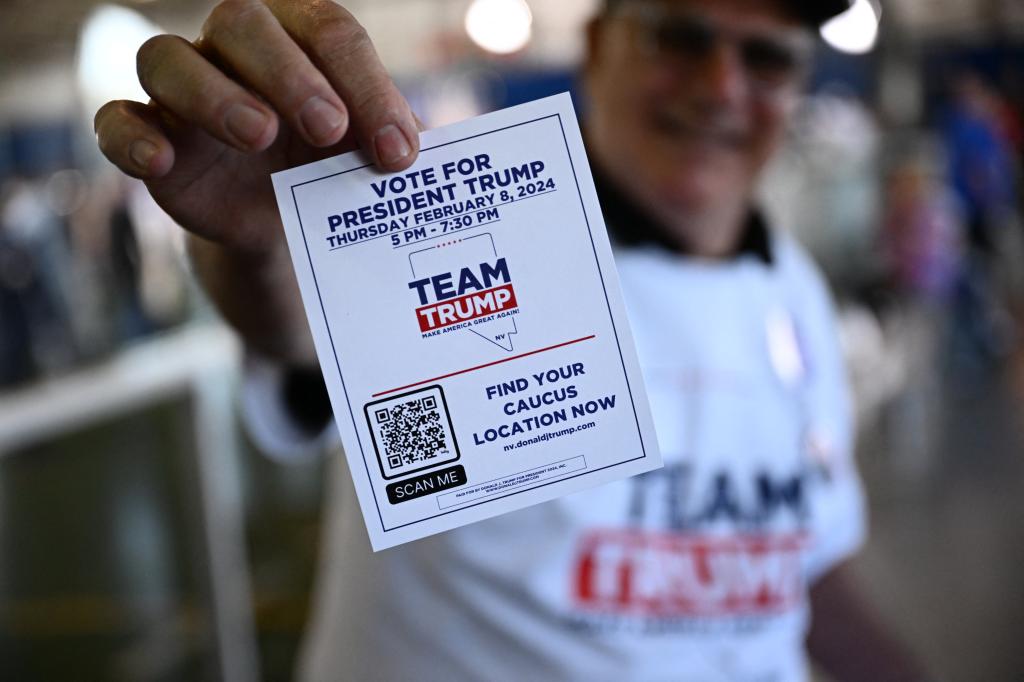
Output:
x=631 y=225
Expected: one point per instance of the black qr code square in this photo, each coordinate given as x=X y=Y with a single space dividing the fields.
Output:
x=412 y=432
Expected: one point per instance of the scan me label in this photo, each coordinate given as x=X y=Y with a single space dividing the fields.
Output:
x=469 y=324
x=426 y=484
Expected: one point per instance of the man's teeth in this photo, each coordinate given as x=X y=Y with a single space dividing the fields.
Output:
x=675 y=125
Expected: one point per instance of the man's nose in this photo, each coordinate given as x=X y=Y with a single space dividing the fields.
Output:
x=720 y=78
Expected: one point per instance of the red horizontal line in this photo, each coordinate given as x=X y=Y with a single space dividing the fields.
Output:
x=489 y=364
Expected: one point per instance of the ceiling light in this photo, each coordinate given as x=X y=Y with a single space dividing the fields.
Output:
x=499 y=26
x=107 y=45
x=855 y=31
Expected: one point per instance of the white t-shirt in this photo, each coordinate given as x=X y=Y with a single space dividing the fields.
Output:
x=698 y=571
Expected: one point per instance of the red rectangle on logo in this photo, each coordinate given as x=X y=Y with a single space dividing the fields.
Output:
x=466 y=308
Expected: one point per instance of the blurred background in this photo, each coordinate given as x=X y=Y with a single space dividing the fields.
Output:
x=142 y=537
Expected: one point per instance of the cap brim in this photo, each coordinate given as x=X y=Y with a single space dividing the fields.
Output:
x=817 y=12
x=812 y=12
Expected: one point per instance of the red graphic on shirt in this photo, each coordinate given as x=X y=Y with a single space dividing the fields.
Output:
x=672 y=575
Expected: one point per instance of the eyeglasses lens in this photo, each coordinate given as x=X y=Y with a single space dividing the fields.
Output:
x=772 y=62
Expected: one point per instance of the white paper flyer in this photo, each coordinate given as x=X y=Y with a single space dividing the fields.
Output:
x=469 y=323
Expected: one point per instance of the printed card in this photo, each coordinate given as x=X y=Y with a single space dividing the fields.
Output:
x=469 y=323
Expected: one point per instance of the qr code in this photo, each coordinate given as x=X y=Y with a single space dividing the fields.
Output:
x=412 y=432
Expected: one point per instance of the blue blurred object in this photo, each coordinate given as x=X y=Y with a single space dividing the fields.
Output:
x=6 y=156
x=37 y=149
x=526 y=86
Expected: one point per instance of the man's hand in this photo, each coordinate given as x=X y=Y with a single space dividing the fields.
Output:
x=269 y=84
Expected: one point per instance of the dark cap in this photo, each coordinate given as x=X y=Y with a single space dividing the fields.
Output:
x=817 y=12
x=813 y=12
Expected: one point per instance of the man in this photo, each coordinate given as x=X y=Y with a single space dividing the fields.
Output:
x=700 y=571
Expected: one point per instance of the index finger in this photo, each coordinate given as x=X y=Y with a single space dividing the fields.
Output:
x=340 y=47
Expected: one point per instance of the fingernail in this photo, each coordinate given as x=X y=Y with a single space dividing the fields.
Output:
x=391 y=145
x=320 y=119
x=142 y=153
x=246 y=124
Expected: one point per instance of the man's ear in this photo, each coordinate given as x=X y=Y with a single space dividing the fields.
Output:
x=594 y=36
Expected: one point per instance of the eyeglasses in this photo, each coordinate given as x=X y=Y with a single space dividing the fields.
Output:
x=771 y=61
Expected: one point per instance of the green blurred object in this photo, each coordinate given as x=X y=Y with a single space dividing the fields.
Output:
x=102 y=576
x=129 y=510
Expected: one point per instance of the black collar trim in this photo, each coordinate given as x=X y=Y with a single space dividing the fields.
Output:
x=630 y=225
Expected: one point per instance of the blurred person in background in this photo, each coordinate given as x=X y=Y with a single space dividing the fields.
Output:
x=721 y=566
x=20 y=292
x=35 y=282
x=976 y=131
x=922 y=235
x=922 y=245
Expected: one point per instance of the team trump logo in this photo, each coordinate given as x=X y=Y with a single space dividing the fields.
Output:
x=457 y=299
